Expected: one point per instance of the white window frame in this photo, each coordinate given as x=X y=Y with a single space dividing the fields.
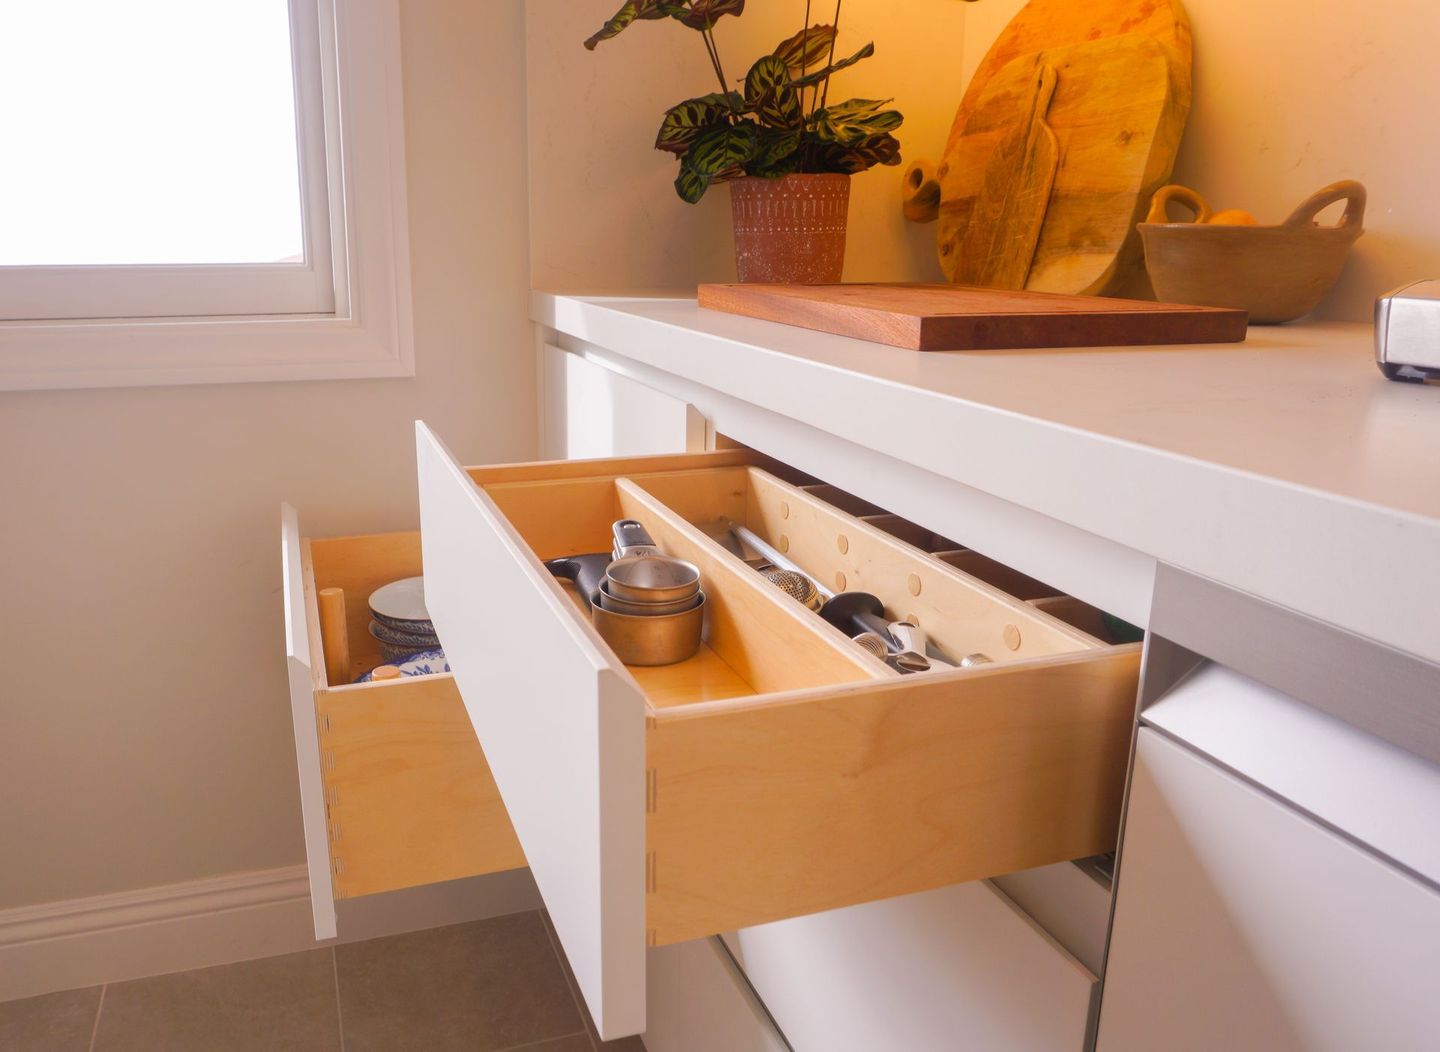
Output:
x=369 y=331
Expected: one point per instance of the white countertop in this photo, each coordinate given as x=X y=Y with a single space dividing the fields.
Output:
x=1286 y=466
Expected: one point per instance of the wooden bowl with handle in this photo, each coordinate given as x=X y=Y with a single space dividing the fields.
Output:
x=1277 y=273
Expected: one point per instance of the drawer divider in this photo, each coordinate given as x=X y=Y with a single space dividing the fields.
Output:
x=761 y=632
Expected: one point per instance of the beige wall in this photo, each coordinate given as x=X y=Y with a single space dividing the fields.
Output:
x=604 y=212
x=1293 y=94
x=1290 y=96
x=144 y=722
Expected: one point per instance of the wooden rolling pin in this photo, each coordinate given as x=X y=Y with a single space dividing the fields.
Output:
x=334 y=636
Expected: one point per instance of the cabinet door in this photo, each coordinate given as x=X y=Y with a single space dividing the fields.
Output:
x=589 y=411
x=1242 y=924
x=955 y=968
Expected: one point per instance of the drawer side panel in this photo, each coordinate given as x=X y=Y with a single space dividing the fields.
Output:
x=411 y=799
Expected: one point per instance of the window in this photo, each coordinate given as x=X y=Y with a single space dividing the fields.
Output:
x=180 y=203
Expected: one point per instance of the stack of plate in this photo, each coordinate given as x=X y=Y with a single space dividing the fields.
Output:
x=400 y=623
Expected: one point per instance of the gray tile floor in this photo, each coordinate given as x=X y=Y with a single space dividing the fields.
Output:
x=490 y=986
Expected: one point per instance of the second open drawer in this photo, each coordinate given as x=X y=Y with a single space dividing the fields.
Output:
x=781 y=771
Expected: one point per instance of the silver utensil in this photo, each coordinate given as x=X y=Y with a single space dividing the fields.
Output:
x=797 y=586
x=915 y=646
x=874 y=643
x=656 y=639
x=971 y=660
x=642 y=573
x=626 y=606
x=774 y=557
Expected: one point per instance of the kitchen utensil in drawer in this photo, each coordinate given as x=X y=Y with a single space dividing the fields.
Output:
x=586 y=572
x=642 y=573
x=650 y=640
x=626 y=606
x=874 y=643
x=780 y=571
x=910 y=643
x=401 y=604
x=798 y=586
x=858 y=612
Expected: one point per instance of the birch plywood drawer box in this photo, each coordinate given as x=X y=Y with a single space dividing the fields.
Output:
x=395 y=791
x=782 y=770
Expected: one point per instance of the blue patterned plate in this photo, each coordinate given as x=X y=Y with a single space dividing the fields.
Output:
x=426 y=663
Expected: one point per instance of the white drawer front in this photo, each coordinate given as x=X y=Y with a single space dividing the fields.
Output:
x=1241 y=924
x=956 y=968
x=569 y=759
x=307 y=741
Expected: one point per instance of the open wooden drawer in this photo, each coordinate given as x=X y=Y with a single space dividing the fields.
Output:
x=783 y=770
x=394 y=788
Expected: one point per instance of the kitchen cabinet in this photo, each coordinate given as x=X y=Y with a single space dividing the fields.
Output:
x=832 y=820
x=1243 y=924
x=588 y=411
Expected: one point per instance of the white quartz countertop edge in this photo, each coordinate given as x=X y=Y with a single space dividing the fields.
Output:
x=1007 y=424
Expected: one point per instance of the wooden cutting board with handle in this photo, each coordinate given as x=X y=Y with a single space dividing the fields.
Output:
x=956 y=318
x=1120 y=102
x=1009 y=211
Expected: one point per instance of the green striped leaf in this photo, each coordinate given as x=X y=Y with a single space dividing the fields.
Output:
x=811 y=79
x=684 y=123
x=779 y=154
x=690 y=184
x=633 y=11
x=722 y=148
x=865 y=154
x=805 y=48
x=769 y=95
x=847 y=123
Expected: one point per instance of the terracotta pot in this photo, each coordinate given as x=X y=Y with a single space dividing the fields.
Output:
x=791 y=229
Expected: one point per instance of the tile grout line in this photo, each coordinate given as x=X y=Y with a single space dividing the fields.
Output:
x=554 y=940
x=339 y=1011
x=543 y=1041
x=100 y=1007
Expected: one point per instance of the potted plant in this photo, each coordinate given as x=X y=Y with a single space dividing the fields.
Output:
x=787 y=152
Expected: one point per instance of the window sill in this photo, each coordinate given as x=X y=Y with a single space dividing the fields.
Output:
x=161 y=352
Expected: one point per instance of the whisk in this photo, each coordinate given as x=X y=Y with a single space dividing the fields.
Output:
x=796 y=585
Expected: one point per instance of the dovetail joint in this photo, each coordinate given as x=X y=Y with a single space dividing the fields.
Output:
x=650 y=937
x=650 y=873
x=652 y=784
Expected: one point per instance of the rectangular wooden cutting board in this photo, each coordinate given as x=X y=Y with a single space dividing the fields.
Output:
x=958 y=318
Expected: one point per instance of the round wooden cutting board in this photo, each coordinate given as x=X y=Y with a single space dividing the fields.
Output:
x=1116 y=77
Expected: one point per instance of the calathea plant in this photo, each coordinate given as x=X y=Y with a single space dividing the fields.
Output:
x=779 y=120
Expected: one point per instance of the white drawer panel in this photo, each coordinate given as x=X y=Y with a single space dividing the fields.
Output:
x=1240 y=924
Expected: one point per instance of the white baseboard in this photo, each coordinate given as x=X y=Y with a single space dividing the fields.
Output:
x=219 y=920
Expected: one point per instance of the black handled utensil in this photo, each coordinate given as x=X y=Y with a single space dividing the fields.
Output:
x=586 y=571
